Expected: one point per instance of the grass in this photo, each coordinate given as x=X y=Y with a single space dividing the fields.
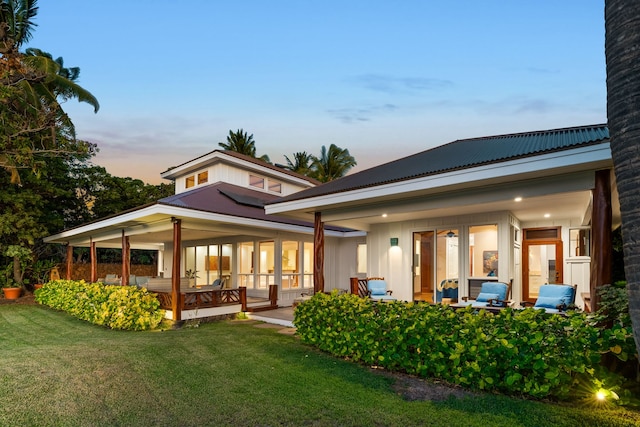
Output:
x=59 y=371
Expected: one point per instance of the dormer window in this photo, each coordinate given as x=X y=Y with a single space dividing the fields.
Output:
x=275 y=186
x=190 y=181
x=256 y=181
x=203 y=177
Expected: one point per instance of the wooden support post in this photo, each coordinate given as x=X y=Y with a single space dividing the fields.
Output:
x=176 y=305
x=69 y=261
x=273 y=295
x=353 y=281
x=243 y=298
x=126 y=260
x=94 y=262
x=601 y=236
x=318 y=254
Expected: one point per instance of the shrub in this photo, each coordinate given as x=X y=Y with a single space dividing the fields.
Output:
x=117 y=307
x=525 y=352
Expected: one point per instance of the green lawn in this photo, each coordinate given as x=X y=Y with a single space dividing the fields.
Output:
x=59 y=371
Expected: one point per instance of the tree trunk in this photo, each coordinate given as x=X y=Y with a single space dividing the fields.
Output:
x=17 y=270
x=622 y=51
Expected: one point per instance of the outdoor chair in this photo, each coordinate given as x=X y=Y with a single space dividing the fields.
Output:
x=377 y=290
x=111 y=279
x=492 y=294
x=554 y=298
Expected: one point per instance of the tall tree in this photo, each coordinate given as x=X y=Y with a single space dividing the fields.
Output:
x=622 y=51
x=243 y=143
x=32 y=87
x=332 y=163
x=301 y=163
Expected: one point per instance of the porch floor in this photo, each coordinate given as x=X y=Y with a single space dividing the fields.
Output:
x=280 y=316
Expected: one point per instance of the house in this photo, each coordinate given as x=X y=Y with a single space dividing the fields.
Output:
x=215 y=224
x=531 y=208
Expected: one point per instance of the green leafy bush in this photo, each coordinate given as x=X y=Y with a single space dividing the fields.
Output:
x=117 y=307
x=526 y=352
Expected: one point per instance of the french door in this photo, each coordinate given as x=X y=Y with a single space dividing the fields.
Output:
x=542 y=260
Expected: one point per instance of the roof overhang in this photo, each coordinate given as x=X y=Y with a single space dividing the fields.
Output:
x=151 y=226
x=430 y=195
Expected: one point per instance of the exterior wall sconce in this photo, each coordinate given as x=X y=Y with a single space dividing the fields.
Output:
x=394 y=241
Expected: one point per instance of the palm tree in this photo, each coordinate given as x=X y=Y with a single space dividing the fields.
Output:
x=623 y=115
x=333 y=163
x=33 y=86
x=242 y=143
x=302 y=162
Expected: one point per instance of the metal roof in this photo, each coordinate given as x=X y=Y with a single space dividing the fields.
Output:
x=228 y=199
x=463 y=154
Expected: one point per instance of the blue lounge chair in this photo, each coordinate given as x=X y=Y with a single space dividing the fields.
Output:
x=377 y=290
x=492 y=294
x=554 y=298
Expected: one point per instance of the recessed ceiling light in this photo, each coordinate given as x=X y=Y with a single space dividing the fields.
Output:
x=517 y=199
x=547 y=215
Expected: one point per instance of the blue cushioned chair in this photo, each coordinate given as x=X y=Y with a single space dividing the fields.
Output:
x=377 y=290
x=448 y=288
x=492 y=294
x=554 y=298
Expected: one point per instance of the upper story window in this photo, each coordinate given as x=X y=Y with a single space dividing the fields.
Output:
x=275 y=186
x=256 y=181
x=203 y=177
x=190 y=181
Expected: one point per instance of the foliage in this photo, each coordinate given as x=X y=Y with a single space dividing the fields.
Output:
x=242 y=143
x=117 y=307
x=332 y=163
x=525 y=352
x=302 y=163
x=41 y=269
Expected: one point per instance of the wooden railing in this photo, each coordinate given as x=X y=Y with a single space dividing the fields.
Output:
x=206 y=299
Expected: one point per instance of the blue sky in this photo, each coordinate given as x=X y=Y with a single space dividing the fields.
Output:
x=384 y=79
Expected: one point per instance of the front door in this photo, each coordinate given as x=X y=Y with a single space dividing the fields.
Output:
x=542 y=260
x=423 y=265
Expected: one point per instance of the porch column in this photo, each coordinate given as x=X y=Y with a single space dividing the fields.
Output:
x=126 y=250
x=94 y=262
x=601 y=236
x=175 y=270
x=69 y=261
x=318 y=254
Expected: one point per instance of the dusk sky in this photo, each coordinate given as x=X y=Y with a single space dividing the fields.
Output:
x=384 y=79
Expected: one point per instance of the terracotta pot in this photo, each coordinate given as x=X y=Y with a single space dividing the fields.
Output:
x=11 y=293
x=37 y=286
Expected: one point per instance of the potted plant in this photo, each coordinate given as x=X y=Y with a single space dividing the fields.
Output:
x=10 y=288
x=192 y=276
x=40 y=271
x=14 y=272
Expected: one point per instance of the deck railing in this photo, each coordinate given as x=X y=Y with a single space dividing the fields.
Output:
x=205 y=298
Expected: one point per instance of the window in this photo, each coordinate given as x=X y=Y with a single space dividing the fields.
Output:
x=446 y=255
x=245 y=267
x=203 y=177
x=361 y=259
x=266 y=263
x=275 y=186
x=483 y=250
x=256 y=181
x=580 y=242
x=290 y=265
x=190 y=181
x=307 y=265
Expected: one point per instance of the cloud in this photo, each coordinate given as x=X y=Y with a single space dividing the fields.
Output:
x=391 y=84
x=353 y=115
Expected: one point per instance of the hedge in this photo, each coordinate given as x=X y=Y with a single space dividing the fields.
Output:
x=117 y=307
x=527 y=352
